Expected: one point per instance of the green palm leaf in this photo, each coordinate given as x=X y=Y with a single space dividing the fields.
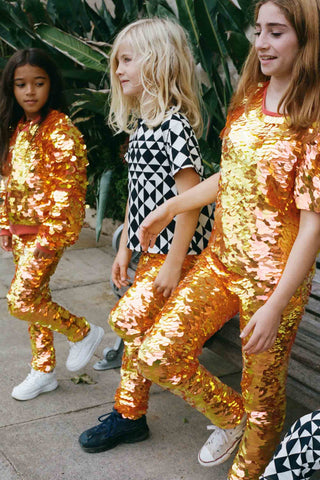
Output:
x=187 y=19
x=73 y=47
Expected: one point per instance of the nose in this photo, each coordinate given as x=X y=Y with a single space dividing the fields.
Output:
x=261 y=42
x=119 y=70
x=29 y=89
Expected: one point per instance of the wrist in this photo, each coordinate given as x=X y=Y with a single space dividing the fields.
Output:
x=277 y=303
x=174 y=261
x=172 y=207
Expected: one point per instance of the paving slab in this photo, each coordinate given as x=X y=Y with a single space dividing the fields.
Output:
x=58 y=455
x=39 y=438
x=7 y=471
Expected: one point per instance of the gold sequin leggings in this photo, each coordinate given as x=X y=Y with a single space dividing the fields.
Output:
x=166 y=350
x=29 y=299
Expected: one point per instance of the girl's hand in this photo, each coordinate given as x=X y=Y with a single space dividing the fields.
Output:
x=264 y=324
x=167 y=279
x=6 y=243
x=152 y=226
x=119 y=271
x=38 y=253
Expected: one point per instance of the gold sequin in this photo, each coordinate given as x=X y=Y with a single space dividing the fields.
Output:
x=47 y=181
x=131 y=319
x=267 y=176
x=45 y=192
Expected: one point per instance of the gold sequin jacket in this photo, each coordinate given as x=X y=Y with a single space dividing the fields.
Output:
x=44 y=192
x=267 y=176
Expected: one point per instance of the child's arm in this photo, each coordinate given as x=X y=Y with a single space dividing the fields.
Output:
x=119 y=272
x=265 y=322
x=170 y=272
x=5 y=242
x=64 y=188
x=200 y=195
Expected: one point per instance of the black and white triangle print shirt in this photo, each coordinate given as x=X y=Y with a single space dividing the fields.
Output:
x=154 y=157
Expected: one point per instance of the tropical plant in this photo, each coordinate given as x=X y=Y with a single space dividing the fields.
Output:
x=79 y=36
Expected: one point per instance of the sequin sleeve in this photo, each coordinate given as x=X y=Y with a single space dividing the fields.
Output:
x=307 y=182
x=4 y=221
x=64 y=187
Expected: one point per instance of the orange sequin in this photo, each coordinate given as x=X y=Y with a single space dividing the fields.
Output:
x=45 y=193
x=267 y=176
x=47 y=182
x=131 y=319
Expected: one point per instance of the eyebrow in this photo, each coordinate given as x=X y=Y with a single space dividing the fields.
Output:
x=125 y=54
x=273 y=24
x=35 y=78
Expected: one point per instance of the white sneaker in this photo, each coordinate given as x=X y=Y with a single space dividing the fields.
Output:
x=81 y=352
x=220 y=444
x=35 y=383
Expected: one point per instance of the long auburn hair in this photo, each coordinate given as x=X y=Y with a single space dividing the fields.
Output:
x=167 y=75
x=10 y=110
x=301 y=101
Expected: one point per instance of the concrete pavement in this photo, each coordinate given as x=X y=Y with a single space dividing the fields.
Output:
x=39 y=438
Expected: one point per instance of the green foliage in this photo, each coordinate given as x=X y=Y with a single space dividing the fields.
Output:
x=78 y=36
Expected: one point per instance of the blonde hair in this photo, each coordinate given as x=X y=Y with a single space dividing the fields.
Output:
x=167 y=76
x=301 y=102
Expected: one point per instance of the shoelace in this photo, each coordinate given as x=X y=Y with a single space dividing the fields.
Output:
x=107 y=422
x=220 y=431
x=30 y=377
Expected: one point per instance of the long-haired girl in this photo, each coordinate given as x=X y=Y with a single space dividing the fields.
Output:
x=154 y=98
x=259 y=261
x=42 y=199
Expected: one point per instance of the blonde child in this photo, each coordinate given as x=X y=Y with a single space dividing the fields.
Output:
x=154 y=98
x=42 y=198
x=260 y=258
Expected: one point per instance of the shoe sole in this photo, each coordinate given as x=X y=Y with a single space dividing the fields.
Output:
x=90 y=353
x=48 y=388
x=104 y=448
x=221 y=459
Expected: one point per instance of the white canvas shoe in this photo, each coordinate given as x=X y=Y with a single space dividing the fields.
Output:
x=220 y=444
x=81 y=352
x=35 y=383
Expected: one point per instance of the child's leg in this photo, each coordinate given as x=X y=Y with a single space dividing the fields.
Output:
x=169 y=354
x=298 y=455
x=264 y=396
x=131 y=318
x=29 y=299
x=43 y=351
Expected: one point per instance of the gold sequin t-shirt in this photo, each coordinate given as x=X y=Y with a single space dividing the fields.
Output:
x=47 y=181
x=266 y=178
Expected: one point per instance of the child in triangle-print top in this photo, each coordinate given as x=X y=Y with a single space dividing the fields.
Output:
x=154 y=98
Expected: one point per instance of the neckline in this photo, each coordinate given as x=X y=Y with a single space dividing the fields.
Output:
x=30 y=123
x=264 y=109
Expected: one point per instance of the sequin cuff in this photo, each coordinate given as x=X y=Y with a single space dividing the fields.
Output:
x=45 y=250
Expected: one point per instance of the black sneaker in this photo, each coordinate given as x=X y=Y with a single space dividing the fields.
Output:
x=112 y=430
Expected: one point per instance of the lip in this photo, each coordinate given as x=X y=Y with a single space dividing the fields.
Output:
x=266 y=59
x=30 y=102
